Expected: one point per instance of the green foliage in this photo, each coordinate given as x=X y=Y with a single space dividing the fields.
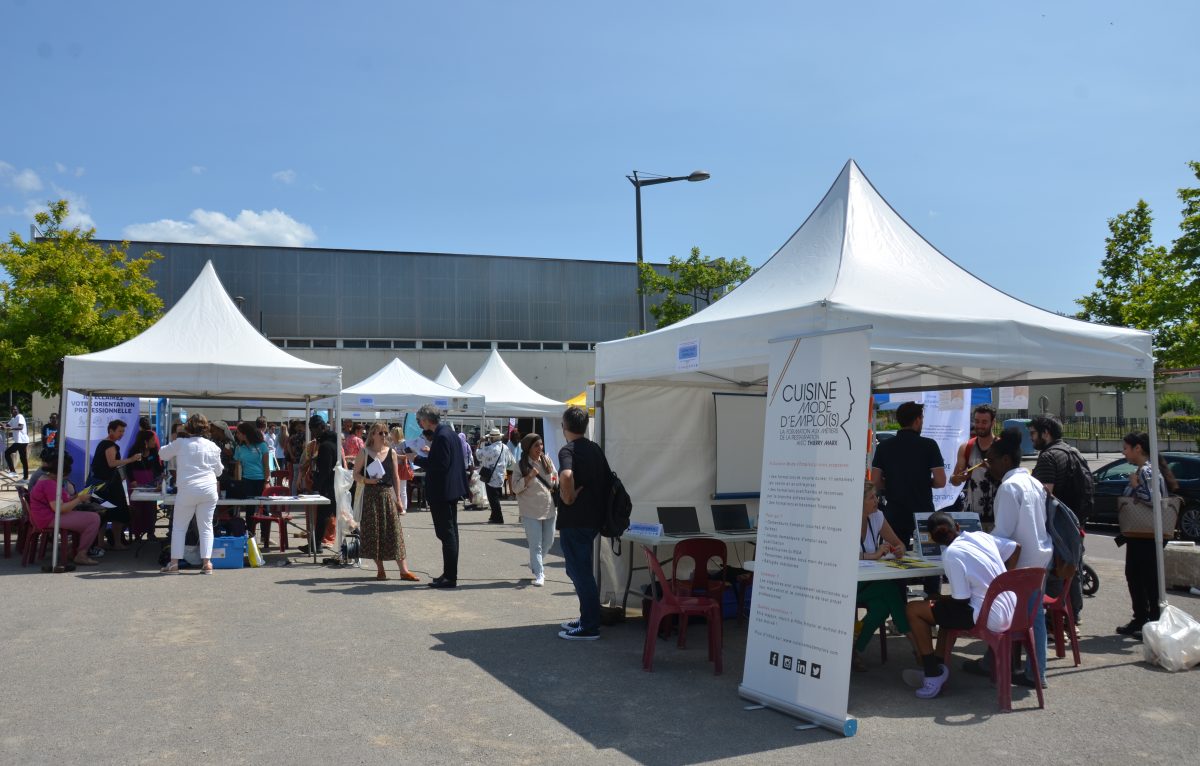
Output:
x=1184 y=424
x=1172 y=401
x=1151 y=287
x=693 y=283
x=67 y=295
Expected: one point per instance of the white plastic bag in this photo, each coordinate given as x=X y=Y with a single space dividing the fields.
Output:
x=343 y=479
x=1173 y=641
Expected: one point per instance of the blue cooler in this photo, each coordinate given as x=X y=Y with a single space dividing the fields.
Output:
x=229 y=552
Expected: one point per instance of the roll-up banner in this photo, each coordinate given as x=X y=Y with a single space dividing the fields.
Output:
x=104 y=410
x=806 y=563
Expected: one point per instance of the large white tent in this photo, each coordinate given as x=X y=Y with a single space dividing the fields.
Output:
x=446 y=378
x=396 y=386
x=505 y=393
x=854 y=262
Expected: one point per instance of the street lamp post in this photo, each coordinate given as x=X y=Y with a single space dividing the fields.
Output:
x=638 y=182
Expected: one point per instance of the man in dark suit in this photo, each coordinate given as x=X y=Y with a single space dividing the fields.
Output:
x=445 y=485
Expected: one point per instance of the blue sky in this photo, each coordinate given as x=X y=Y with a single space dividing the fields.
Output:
x=1007 y=135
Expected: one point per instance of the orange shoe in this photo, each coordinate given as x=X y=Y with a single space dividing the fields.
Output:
x=409 y=576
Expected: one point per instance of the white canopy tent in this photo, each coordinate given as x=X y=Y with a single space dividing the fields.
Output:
x=854 y=262
x=396 y=386
x=505 y=393
x=447 y=379
x=202 y=348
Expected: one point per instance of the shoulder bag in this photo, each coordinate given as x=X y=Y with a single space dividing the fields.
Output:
x=485 y=473
x=1137 y=518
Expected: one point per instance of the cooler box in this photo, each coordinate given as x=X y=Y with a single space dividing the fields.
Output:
x=229 y=552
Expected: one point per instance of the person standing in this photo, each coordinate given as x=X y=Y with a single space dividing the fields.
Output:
x=495 y=457
x=404 y=469
x=353 y=443
x=907 y=468
x=197 y=466
x=584 y=485
x=1059 y=468
x=1141 y=561
x=969 y=468
x=144 y=473
x=445 y=485
x=106 y=469
x=50 y=432
x=324 y=460
x=252 y=460
x=19 y=433
x=377 y=466
x=535 y=482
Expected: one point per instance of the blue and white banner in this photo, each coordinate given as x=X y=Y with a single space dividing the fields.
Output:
x=104 y=410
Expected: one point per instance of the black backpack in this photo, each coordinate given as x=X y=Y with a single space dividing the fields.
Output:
x=1082 y=484
x=618 y=509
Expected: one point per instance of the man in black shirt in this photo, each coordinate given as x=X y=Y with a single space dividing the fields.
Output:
x=324 y=462
x=908 y=467
x=1058 y=466
x=584 y=484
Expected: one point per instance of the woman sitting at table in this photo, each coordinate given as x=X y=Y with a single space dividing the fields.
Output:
x=41 y=507
x=884 y=598
x=197 y=466
x=377 y=467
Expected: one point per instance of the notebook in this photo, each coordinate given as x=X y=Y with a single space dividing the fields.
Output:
x=679 y=521
x=731 y=518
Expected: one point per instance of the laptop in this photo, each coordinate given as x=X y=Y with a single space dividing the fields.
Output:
x=732 y=519
x=679 y=521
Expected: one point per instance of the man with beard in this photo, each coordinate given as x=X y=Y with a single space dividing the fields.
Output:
x=908 y=468
x=980 y=489
x=1059 y=468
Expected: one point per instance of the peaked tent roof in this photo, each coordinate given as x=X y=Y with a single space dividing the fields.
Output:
x=447 y=379
x=856 y=262
x=203 y=348
x=396 y=385
x=505 y=393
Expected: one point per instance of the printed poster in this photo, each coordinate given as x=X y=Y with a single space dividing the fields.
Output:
x=948 y=422
x=104 y=410
x=806 y=563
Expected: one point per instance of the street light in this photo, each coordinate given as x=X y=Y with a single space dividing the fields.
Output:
x=638 y=182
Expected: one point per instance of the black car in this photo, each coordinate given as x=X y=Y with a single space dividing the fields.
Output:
x=1112 y=479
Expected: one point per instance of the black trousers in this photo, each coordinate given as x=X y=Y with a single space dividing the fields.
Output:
x=23 y=451
x=493 y=494
x=445 y=526
x=1141 y=573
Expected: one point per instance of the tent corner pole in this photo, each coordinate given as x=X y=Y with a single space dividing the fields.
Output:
x=1155 y=494
x=58 y=477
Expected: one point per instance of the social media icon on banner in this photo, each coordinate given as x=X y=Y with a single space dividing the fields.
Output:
x=816 y=671
x=802 y=667
x=775 y=659
x=787 y=662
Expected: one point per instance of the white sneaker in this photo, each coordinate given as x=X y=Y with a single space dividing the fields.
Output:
x=933 y=685
x=539 y=581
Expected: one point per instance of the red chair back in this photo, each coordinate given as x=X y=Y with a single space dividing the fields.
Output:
x=664 y=585
x=701 y=550
x=278 y=492
x=1027 y=585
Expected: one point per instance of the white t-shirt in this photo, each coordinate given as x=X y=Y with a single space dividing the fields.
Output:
x=871 y=536
x=20 y=435
x=972 y=561
x=1020 y=510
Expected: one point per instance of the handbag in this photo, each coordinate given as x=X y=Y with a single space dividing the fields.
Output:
x=486 y=473
x=1137 y=518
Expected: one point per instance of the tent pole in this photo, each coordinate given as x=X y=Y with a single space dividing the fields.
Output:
x=87 y=451
x=1155 y=495
x=58 y=480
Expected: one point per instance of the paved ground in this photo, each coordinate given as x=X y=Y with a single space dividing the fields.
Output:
x=308 y=664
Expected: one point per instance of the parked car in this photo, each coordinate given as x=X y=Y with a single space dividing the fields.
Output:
x=1112 y=479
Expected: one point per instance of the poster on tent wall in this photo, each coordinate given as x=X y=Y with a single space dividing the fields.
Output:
x=948 y=422
x=104 y=410
x=806 y=562
x=1014 y=397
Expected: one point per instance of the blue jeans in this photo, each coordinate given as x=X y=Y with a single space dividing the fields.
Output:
x=1039 y=641
x=540 y=534
x=577 y=545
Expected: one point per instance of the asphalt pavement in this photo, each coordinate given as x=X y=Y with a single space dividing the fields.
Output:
x=313 y=665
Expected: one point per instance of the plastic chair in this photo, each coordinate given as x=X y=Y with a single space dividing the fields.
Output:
x=14 y=524
x=700 y=550
x=37 y=539
x=281 y=478
x=1063 y=615
x=683 y=606
x=280 y=517
x=1027 y=585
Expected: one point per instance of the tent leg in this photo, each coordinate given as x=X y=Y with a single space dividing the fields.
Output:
x=1155 y=495
x=62 y=446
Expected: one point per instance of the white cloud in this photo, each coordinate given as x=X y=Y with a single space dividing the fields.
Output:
x=5 y=168
x=79 y=172
x=284 y=176
x=61 y=168
x=268 y=227
x=198 y=170
x=27 y=181
x=77 y=206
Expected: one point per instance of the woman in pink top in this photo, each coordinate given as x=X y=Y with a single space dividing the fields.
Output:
x=41 y=508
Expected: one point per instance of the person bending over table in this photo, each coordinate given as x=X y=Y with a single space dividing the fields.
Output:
x=882 y=599
x=197 y=466
x=41 y=508
x=106 y=464
x=971 y=560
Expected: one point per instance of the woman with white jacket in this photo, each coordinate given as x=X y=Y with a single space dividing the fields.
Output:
x=197 y=466
x=534 y=483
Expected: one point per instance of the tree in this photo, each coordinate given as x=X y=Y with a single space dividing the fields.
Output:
x=1152 y=287
x=693 y=283
x=65 y=295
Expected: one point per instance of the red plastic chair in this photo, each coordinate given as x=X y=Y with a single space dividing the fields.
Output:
x=683 y=606
x=281 y=478
x=37 y=540
x=701 y=551
x=1028 y=586
x=1061 y=612
x=280 y=517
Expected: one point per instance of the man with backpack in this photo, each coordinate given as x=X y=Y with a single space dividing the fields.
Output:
x=584 y=481
x=1066 y=475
